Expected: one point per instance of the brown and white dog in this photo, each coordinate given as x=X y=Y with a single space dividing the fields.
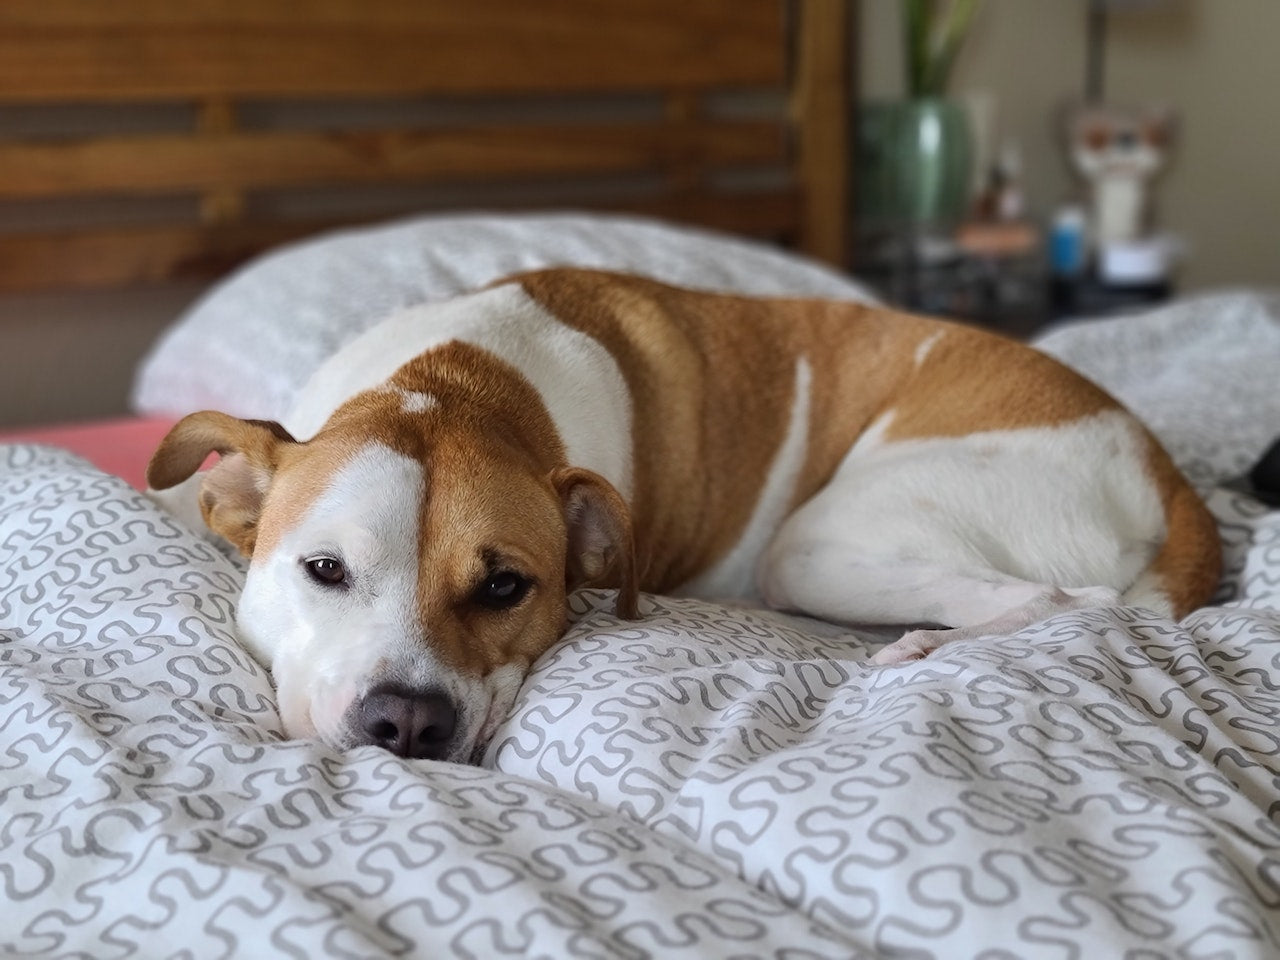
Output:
x=462 y=466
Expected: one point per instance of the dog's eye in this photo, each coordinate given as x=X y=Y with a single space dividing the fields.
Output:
x=326 y=571
x=502 y=590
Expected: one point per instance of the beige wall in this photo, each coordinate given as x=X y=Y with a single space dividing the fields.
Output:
x=71 y=356
x=1215 y=61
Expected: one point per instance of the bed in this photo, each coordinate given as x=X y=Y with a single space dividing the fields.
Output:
x=709 y=781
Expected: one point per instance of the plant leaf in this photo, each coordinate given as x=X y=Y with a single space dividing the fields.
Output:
x=955 y=28
x=917 y=15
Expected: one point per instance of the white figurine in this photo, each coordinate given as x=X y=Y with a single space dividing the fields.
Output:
x=1119 y=151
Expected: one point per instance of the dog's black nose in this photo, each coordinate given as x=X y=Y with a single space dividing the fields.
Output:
x=409 y=724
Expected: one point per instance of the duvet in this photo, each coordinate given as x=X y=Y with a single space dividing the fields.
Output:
x=706 y=782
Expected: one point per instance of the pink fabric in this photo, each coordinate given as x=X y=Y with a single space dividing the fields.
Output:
x=121 y=446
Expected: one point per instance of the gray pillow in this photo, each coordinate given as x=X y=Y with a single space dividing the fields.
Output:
x=1201 y=372
x=250 y=344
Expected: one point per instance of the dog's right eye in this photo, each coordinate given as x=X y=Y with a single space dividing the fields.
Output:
x=326 y=571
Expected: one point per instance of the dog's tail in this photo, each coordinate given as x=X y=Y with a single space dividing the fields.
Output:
x=1185 y=572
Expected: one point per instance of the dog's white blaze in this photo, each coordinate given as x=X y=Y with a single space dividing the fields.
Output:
x=734 y=575
x=323 y=644
x=577 y=378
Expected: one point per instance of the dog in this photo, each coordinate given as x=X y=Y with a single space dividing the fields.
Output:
x=450 y=476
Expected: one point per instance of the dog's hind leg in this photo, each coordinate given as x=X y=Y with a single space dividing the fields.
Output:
x=984 y=534
x=917 y=644
x=836 y=581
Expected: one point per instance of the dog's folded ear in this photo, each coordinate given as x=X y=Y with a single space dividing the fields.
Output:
x=232 y=491
x=601 y=546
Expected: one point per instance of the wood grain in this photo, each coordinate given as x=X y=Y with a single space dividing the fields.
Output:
x=178 y=49
x=111 y=258
x=223 y=56
x=821 y=104
x=247 y=160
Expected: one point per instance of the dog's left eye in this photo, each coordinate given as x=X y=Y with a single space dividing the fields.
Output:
x=326 y=571
x=502 y=590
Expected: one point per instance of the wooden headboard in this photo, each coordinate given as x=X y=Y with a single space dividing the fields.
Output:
x=146 y=140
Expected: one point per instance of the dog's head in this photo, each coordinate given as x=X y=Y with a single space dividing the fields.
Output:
x=402 y=580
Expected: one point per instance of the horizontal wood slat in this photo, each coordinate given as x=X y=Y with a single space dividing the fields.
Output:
x=516 y=16
x=107 y=258
x=212 y=59
x=158 y=164
x=97 y=50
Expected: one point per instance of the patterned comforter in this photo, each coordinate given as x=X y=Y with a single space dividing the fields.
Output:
x=707 y=782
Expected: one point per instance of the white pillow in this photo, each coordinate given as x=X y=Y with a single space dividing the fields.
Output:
x=250 y=344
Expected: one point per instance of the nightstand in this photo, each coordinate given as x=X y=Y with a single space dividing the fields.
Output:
x=992 y=275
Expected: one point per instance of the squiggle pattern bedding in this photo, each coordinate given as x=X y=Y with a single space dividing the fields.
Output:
x=707 y=782
x=704 y=783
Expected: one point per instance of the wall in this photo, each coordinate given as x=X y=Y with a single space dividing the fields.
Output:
x=1213 y=60
x=71 y=356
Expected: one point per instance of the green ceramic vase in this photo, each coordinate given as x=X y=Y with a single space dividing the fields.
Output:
x=914 y=163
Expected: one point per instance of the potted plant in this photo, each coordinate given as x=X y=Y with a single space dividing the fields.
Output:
x=916 y=152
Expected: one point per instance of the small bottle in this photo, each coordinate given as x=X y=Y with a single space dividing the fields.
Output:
x=1010 y=205
x=1067 y=242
